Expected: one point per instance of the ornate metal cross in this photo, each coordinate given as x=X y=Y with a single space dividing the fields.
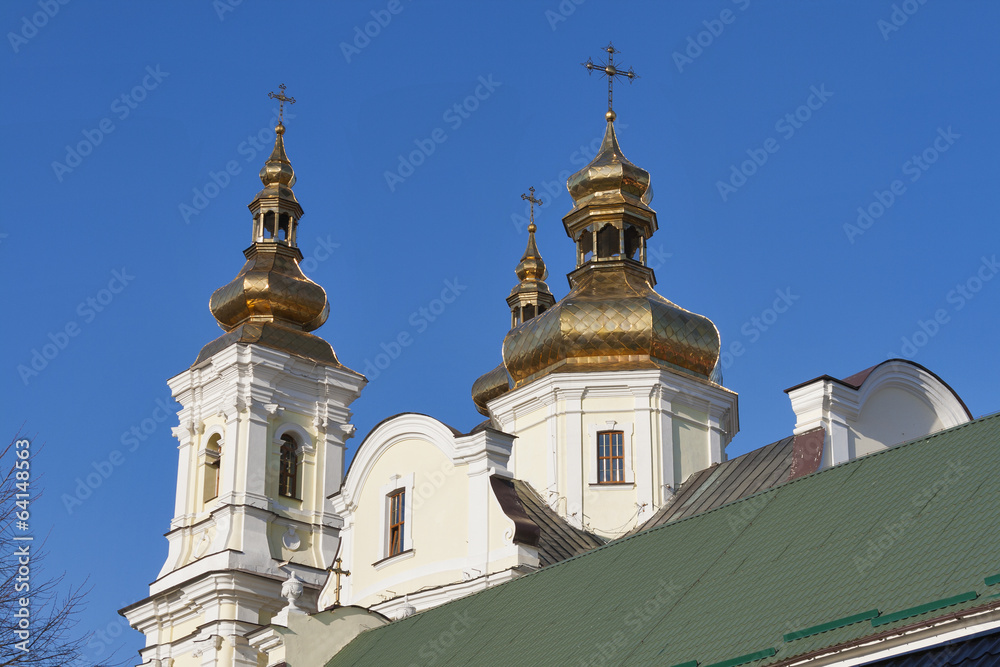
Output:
x=610 y=70
x=531 y=198
x=281 y=101
x=337 y=570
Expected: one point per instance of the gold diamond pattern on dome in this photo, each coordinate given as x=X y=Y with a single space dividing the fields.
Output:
x=271 y=302
x=612 y=318
x=489 y=386
x=271 y=287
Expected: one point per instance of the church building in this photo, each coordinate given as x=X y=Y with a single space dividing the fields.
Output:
x=593 y=517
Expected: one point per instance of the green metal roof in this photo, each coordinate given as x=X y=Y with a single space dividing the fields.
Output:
x=909 y=531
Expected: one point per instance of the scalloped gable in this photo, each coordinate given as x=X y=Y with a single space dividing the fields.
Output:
x=892 y=402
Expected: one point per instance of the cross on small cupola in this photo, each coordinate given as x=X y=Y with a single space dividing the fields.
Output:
x=276 y=212
x=281 y=101
x=612 y=72
x=531 y=296
x=531 y=214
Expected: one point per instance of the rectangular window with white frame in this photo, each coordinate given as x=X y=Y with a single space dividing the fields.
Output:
x=610 y=445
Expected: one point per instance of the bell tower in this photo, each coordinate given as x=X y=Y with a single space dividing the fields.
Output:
x=262 y=434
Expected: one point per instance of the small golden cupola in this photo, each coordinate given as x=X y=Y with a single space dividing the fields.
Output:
x=271 y=302
x=530 y=297
x=612 y=318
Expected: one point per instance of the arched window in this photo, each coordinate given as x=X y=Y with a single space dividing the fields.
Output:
x=288 y=475
x=608 y=242
x=633 y=241
x=213 y=461
x=283 y=234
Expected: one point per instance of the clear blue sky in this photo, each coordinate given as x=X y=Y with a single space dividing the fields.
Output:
x=719 y=80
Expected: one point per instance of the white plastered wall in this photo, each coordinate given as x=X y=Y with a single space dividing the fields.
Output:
x=898 y=401
x=247 y=395
x=673 y=426
x=455 y=531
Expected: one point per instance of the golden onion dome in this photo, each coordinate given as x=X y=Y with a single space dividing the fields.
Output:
x=531 y=274
x=277 y=169
x=271 y=288
x=271 y=302
x=610 y=176
x=488 y=386
x=612 y=319
x=532 y=266
x=277 y=174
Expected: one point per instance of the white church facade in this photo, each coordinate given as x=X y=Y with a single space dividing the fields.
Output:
x=604 y=404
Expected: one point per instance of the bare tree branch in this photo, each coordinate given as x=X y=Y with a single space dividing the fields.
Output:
x=45 y=634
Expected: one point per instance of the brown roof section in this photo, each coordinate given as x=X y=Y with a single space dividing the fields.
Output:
x=526 y=531
x=730 y=480
x=807 y=452
x=537 y=525
x=859 y=378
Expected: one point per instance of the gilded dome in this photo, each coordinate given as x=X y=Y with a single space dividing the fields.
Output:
x=271 y=302
x=271 y=287
x=612 y=319
x=277 y=174
x=488 y=386
x=610 y=176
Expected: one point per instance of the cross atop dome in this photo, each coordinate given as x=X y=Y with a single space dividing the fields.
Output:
x=531 y=198
x=612 y=72
x=281 y=101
